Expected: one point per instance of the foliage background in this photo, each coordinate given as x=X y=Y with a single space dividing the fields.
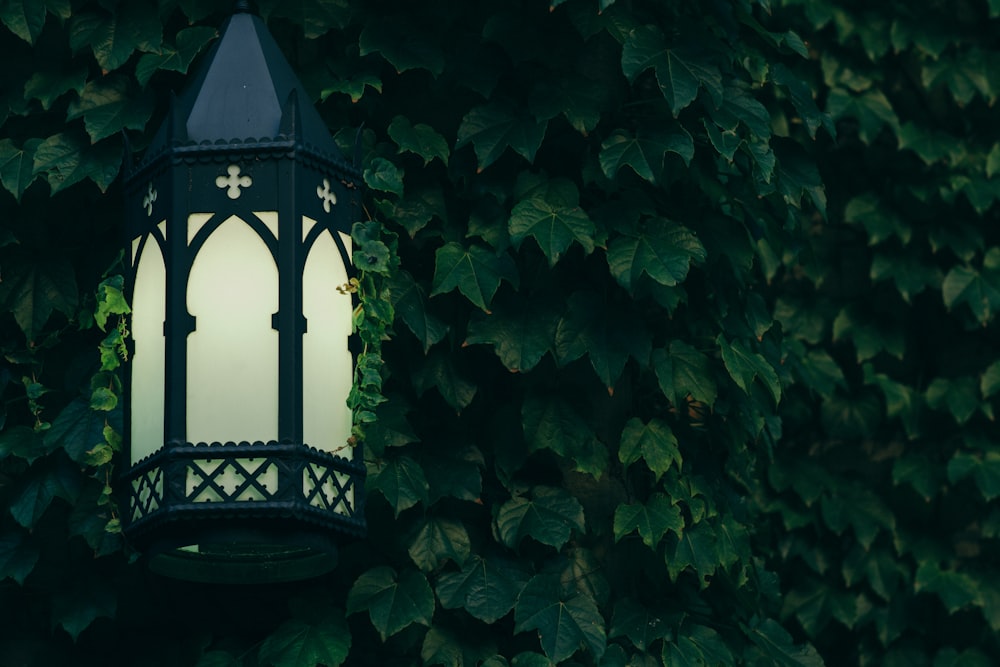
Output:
x=695 y=354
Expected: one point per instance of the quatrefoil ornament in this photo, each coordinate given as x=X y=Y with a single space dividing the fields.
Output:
x=233 y=182
x=324 y=193
x=147 y=201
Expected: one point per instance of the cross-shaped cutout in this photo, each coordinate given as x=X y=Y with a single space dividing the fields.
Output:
x=323 y=192
x=233 y=182
x=147 y=201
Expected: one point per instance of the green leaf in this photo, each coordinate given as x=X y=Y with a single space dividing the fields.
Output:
x=24 y=18
x=438 y=540
x=492 y=128
x=323 y=640
x=549 y=516
x=486 y=587
x=420 y=139
x=578 y=98
x=475 y=271
x=960 y=396
x=989 y=381
x=553 y=220
x=663 y=250
x=679 y=72
x=439 y=372
x=956 y=589
x=964 y=74
x=651 y=520
x=67 y=159
x=187 y=44
x=393 y=600
x=980 y=291
x=654 y=442
x=409 y=302
x=520 y=331
x=114 y=38
x=775 y=645
x=385 y=176
x=86 y=600
x=401 y=481
x=697 y=646
x=607 y=332
x=698 y=548
x=549 y=422
x=445 y=647
x=402 y=47
x=22 y=442
x=17 y=166
x=17 y=557
x=218 y=659
x=353 y=86
x=634 y=621
x=33 y=291
x=802 y=99
x=871 y=109
x=684 y=372
x=565 y=622
x=644 y=152
x=78 y=429
x=744 y=366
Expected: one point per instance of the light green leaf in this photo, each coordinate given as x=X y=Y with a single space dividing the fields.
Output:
x=651 y=520
x=554 y=221
x=438 y=540
x=654 y=442
x=401 y=481
x=644 y=152
x=744 y=366
x=475 y=271
x=551 y=423
x=323 y=640
x=565 y=622
x=663 y=250
x=679 y=72
x=550 y=516
x=492 y=128
x=393 y=600
x=683 y=371
x=420 y=139
x=24 y=18
x=486 y=587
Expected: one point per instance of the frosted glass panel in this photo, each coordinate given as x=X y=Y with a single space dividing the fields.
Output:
x=327 y=372
x=270 y=220
x=149 y=307
x=232 y=369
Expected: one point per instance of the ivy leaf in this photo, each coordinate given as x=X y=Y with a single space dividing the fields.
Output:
x=565 y=622
x=634 y=621
x=393 y=600
x=549 y=516
x=401 y=481
x=871 y=109
x=960 y=396
x=83 y=603
x=486 y=587
x=354 y=86
x=989 y=381
x=553 y=220
x=979 y=290
x=439 y=372
x=385 y=176
x=550 y=423
x=107 y=108
x=24 y=18
x=521 y=331
x=402 y=47
x=683 y=371
x=32 y=291
x=114 y=38
x=17 y=166
x=696 y=646
x=744 y=366
x=420 y=139
x=439 y=539
x=17 y=557
x=802 y=99
x=447 y=648
x=22 y=442
x=663 y=250
x=607 y=332
x=679 y=72
x=644 y=152
x=48 y=86
x=78 y=429
x=187 y=44
x=67 y=159
x=651 y=520
x=475 y=271
x=322 y=640
x=492 y=128
x=409 y=302
x=775 y=645
x=39 y=490
x=578 y=98
x=654 y=442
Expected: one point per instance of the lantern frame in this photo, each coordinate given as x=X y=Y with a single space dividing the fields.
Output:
x=262 y=510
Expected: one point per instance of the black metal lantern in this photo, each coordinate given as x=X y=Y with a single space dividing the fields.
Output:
x=238 y=461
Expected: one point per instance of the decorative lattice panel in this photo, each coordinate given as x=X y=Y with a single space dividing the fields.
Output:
x=147 y=493
x=230 y=480
x=328 y=489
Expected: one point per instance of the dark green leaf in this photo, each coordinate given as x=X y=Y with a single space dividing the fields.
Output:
x=385 y=176
x=492 y=128
x=678 y=72
x=17 y=166
x=550 y=516
x=956 y=589
x=23 y=443
x=17 y=557
x=651 y=520
x=697 y=646
x=402 y=47
x=401 y=481
x=565 y=623
x=520 y=332
x=114 y=38
x=684 y=372
x=663 y=250
x=393 y=601
x=323 y=640
x=409 y=302
x=188 y=43
x=775 y=645
x=744 y=366
x=354 y=86
x=475 y=271
x=439 y=540
x=444 y=647
x=551 y=423
x=486 y=587
x=420 y=139
x=24 y=18
x=439 y=372
x=644 y=152
x=554 y=221
x=641 y=626
x=32 y=292
x=83 y=603
x=654 y=442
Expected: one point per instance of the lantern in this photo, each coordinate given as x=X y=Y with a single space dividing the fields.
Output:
x=238 y=463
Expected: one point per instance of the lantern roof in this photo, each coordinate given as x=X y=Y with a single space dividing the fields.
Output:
x=244 y=92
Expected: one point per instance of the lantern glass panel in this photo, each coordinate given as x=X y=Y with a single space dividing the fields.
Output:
x=149 y=306
x=327 y=361
x=232 y=364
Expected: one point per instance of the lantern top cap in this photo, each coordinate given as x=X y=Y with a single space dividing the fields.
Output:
x=244 y=90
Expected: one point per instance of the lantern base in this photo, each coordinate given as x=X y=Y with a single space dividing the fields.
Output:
x=243 y=563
